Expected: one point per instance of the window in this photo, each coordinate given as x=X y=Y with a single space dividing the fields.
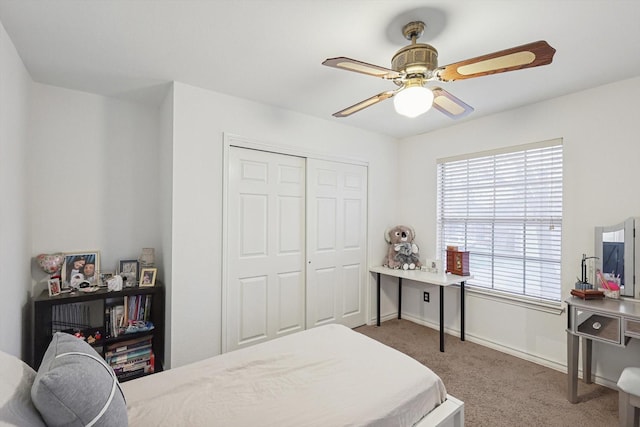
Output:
x=505 y=208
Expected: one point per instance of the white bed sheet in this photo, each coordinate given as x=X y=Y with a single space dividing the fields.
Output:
x=326 y=376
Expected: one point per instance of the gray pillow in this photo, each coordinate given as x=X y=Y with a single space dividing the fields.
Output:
x=75 y=387
x=16 y=378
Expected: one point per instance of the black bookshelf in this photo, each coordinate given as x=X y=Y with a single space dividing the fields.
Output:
x=43 y=320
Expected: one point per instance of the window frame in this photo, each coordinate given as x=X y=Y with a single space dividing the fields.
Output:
x=537 y=215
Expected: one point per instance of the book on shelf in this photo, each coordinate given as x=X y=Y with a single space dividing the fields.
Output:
x=132 y=374
x=147 y=308
x=137 y=307
x=125 y=354
x=117 y=320
x=129 y=355
x=145 y=365
x=133 y=310
x=128 y=345
x=135 y=367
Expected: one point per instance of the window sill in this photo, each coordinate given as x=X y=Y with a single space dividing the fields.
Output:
x=556 y=308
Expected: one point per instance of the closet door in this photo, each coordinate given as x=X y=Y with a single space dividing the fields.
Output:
x=266 y=247
x=336 y=243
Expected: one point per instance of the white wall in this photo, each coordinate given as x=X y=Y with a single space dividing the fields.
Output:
x=601 y=158
x=165 y=166
x=200 y=119
x=15 y=84
x=94 y=168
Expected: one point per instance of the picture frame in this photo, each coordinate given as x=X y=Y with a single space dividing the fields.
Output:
x=54 y=287
x=79 y=267
x=104 y=276
x=129 y=269
x=432 y=265
x=148 y=277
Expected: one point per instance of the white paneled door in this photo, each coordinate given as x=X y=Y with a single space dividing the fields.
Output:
x=336 y=243
x=296 y=245
x=266 y=244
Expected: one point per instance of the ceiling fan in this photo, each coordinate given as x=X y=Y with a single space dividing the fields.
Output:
x=416 y=64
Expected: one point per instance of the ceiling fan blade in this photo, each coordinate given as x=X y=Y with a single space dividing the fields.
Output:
x=364 y=104
x=516 y=58
x=449 y=105
x=349 y=64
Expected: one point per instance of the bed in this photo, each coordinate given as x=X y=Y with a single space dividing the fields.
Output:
x=326 y=376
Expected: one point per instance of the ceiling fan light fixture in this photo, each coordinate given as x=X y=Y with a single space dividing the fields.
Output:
x=413 y=101
x=413 y=66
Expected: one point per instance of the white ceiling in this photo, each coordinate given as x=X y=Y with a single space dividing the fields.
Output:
x=271 y=51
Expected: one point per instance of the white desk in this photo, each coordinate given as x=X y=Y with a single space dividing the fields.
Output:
x=441 y=280
x=610 y=321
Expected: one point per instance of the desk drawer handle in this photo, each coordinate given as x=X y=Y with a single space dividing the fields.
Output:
x=597 y=325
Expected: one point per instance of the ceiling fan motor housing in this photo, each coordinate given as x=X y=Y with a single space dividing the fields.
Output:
x=417 y=58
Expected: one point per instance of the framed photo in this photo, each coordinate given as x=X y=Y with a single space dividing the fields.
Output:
x=129 y=270
x=431 y=265
x=54 y=287
x=79 y=267
x=148 y=277
x=104 y=276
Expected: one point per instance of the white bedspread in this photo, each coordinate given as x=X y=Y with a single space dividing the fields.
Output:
x=326 y=376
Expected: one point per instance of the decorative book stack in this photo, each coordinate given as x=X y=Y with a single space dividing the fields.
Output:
x=587 y=293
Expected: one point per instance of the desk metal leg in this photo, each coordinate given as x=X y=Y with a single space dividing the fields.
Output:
x=399 y=297
x=462 y=311
x=378 y=301
x=573 y=344
x=442 y=319
x=587 y=347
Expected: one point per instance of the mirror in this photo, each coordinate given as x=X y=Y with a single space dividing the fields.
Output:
x=616 y=258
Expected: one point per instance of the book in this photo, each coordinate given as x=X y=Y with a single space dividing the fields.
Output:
x=123 y=352
x=587 y=293
x=147 y=308
x=120 y=366
x=116 y=319
x=107 y=322
x=132 y=360
x=135 y=367
x=132 y=374
x=129 y=344
x=143 y=364
x=129 y=355
x=125 y=311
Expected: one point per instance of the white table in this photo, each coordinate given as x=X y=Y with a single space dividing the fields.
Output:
x=441 y=280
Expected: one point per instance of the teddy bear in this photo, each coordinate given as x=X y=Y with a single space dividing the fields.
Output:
x=402 y=252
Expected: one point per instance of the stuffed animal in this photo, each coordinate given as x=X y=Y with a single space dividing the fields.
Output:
x=402 y=252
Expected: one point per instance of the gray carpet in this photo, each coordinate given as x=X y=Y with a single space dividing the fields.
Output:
x=499 y=389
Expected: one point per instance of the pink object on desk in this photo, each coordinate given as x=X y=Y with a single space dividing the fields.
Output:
x=613 y=286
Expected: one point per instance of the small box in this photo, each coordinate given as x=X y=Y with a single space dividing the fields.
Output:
x=458 y=262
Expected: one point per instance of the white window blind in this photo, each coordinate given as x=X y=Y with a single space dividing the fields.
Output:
x=505 y=208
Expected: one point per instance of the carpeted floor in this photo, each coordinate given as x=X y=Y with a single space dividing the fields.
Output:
x=499 y=389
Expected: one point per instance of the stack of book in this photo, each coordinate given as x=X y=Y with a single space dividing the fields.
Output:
x=587 y=293
x=131 y=358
